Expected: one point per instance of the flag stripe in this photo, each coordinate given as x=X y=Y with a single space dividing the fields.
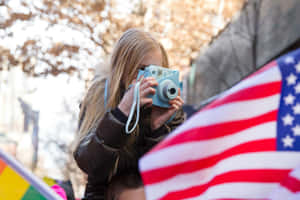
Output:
x=187 y=150
x=2 y=166
x=217 y=130
x=267 y=176
x=230 y=113
x=291 y=184
x=8 y=179
x=256 y=160
x=265 y=68
x=271 y=75
x=283 y=193
x=243 y=191
x=258 y=91
x=157 y=175
x=32 y=194
x=280 y=193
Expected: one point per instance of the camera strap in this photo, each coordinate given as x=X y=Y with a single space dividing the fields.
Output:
x=134 y=107
x=105 y=93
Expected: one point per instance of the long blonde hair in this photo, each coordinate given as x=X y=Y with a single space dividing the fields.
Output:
x=125 y=61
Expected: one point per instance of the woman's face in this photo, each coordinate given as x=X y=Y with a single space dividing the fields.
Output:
x=152 y=58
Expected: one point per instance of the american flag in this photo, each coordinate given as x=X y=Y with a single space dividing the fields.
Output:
x=244 y=145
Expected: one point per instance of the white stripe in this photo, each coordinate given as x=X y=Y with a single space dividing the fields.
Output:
x=271 y=75
x=280 y=193
x=283 y=193
x=202 y=149
x=296 y=173
x=230 y=112
x=295 y=196
x=238 y=190
x=266 y=160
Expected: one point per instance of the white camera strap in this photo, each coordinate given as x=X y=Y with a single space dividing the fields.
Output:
x=135 y=106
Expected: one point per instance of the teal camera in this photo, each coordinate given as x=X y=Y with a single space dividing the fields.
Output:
x=168 y=84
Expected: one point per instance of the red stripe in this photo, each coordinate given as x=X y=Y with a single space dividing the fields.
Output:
x=253 y=176
x=259 y=91
x=161 y=174
x=215 y=131
x=292 y=184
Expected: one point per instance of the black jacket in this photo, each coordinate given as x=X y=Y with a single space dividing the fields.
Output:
x=107 y=150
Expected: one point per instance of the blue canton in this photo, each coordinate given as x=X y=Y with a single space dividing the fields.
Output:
x=288 y=118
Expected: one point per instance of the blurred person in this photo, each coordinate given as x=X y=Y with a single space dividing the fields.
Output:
x=104 y=149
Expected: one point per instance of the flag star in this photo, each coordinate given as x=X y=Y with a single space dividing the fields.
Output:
x=297 y=88
x=296 y=130
x=291 y=79
x=289 y=59
x=289 y=99
x=288 y=120
x=298 y=67
x=296 y=109
x=288 y=141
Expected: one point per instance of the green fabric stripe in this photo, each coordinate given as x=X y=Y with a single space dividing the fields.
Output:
x=33 y=194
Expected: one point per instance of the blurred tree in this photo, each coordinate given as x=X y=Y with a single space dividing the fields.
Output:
x=94 y=25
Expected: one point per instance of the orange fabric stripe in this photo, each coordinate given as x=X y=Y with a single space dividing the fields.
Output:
x=2 y=166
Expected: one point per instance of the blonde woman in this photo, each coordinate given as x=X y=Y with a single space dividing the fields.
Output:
x=104 y=149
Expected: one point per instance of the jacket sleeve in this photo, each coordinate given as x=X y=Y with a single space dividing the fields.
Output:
x=97 y=152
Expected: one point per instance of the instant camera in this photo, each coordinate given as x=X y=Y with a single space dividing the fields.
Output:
x=168 y=84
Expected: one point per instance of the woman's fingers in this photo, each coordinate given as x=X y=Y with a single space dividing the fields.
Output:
x=149 y=78
x=145 y=96
x=148 y=82
x=177 y=99
x=147 y=91
x=177 y=102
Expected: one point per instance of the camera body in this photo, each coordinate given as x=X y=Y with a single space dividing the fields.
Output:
x=168 y=84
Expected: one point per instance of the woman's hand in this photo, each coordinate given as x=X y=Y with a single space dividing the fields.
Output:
x=146 y=89
x=159 y=116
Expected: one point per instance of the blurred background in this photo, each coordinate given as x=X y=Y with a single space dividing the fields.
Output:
x=51 y=49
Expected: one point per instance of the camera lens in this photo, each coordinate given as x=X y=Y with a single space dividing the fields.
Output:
x=172 y=91
x=167 y=90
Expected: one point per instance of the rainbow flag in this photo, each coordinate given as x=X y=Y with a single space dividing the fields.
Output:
x=18 y=183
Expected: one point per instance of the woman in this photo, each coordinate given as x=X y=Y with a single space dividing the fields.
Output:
x=104 y=149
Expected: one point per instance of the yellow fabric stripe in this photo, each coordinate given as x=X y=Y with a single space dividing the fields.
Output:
x=12 y=185
x=49 y=181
